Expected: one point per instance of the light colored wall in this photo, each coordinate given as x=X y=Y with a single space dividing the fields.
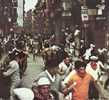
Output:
x=20 y=11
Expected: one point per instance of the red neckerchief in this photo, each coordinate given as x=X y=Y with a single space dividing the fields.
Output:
x=93 y=65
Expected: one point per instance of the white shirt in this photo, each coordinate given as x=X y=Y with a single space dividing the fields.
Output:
x=63 y=67
x=93 y=72
x=51 y=78
x=24 y=93
x=13 y=71
x=87 y=53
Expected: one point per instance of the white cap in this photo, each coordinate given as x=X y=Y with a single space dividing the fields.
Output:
x=24 y=93
x=43 y=81
x=100 y=50
x=92 y=45
x=82 y=41
x=93 y=58
x=55 y=47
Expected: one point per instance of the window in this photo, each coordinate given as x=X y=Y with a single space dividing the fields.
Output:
x=15 y=4
x=66 y=5
x=91 y=4
x=14 y=0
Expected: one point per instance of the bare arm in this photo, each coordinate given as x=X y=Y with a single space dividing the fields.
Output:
x=69 y=88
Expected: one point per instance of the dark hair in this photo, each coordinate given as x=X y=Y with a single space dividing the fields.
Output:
x=79 y=64
x=52 y=59
x=15 y=54
x=21 y=55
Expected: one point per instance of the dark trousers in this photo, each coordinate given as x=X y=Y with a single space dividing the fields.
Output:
x=106 y=84
x=93 y=92
x=5 y=87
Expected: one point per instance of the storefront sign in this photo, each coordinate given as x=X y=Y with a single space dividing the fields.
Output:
x=84 y=13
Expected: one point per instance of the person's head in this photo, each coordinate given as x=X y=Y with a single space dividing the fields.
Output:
x=93 y=61
x=13 y=55
x=93 y=58
x=17 y=55
x=46 y=44
x=44 y=86
x=52 y=61
x=67 y=60
x=80 y=68
x=92 y=46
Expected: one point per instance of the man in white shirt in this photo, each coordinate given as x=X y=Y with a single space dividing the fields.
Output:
x=65 y=66
x=51 y=64
x=93 y=68
x=13 y=71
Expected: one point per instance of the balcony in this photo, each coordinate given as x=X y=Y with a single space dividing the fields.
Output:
x=66 y=6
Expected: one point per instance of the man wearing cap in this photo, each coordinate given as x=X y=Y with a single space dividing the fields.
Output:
x=94 y=69
x=42 y=90
x=51 y=64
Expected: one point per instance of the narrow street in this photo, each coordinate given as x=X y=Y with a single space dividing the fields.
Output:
x=35 y=67
x=78 y=28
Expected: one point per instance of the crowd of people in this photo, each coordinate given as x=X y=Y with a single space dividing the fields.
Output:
x=71 y=72
x=71 y=80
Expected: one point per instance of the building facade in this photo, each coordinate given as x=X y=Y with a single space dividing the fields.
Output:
x=28 y=22
x=90 y=15
x=8 y=15
x=20 y=11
